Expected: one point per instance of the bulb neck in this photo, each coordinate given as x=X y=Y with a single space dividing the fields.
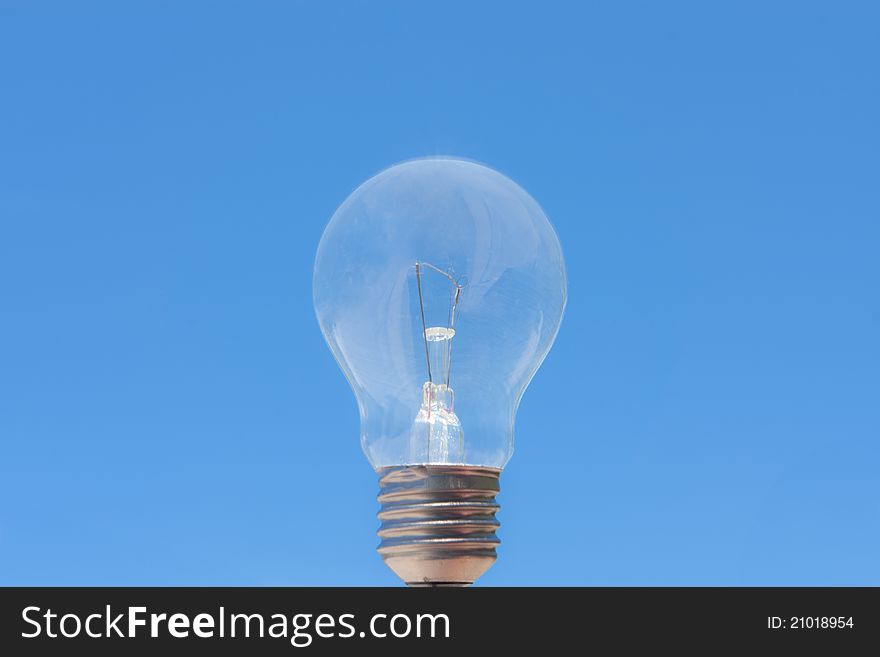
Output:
x=438 y=522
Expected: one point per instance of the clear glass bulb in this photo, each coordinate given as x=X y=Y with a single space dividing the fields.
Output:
x=439 y=285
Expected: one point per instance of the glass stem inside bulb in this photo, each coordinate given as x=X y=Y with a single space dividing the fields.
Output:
x=439 y=346
x=436 y=434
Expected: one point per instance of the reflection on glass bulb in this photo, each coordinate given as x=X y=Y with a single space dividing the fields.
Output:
x=439 y=285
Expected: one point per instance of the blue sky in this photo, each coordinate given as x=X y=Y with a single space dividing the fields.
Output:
x=169 y=413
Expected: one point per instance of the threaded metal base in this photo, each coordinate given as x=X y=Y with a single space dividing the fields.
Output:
x=438 y=522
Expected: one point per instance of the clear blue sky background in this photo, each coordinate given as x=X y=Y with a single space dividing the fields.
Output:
x=169 y=413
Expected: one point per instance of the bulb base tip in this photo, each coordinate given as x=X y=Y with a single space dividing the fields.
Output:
x=438 y=522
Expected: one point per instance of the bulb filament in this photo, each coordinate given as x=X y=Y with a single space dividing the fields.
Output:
x=437 y=435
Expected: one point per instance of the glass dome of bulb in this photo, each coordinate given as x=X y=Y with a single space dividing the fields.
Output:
x=439 y=285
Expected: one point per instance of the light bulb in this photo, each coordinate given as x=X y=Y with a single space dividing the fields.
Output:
x=439 y=285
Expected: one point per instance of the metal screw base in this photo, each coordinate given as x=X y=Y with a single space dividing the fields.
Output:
x=438 y=522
